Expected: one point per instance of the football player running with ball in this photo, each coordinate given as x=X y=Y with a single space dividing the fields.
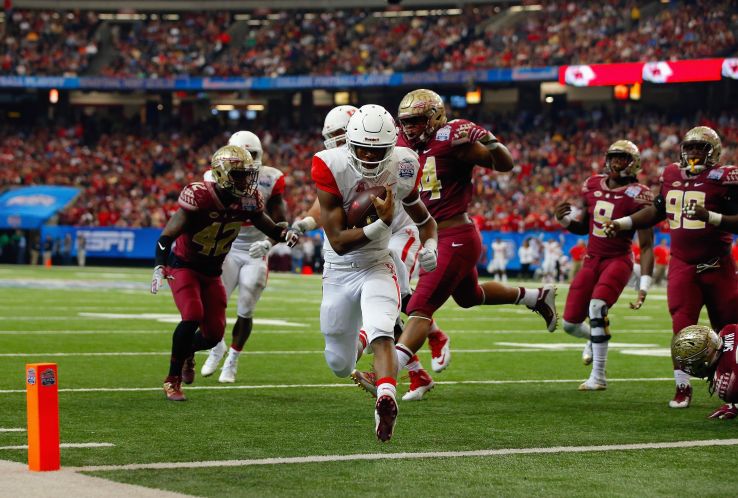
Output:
x=697 y=196
x=209 y=218
x=448 y=153
x=246 y=265
x=609 y=261
x=360 y=287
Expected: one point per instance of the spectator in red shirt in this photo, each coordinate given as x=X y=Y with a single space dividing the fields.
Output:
x=577 y=254
x=661 y=255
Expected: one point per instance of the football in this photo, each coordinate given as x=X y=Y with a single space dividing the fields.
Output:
x=362 y=212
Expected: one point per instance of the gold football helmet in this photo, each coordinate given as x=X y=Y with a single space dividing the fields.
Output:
x=700 y=149
x=696 y=349
x=420 y=114
x=234 y=170
x=624 y=147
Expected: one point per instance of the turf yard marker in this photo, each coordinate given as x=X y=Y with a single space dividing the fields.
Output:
x=42 y=398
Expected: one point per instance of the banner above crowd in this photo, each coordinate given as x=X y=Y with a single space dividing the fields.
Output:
x=31 y=207
x=659 y=72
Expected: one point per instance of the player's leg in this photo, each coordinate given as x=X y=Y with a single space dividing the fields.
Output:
x=340 y=319
x=252 y=281
x=577 y=306
x=685 y=299
x=185 y=287
x=231 y=270
x=612 y=277
x=380 y=306
x=720 y=288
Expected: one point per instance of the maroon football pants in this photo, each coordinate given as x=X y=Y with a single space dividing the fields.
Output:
x=599 y=278
x=200 y=298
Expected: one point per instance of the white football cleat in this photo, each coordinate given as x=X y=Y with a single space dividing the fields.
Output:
x=211 y=364
x=546 y=306
x=228 y=372
x=593 y=385
x=587 y=354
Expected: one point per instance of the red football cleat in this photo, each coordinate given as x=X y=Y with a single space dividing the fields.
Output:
x=365 y=380
x=173 y=389
x=683 y=397
x=420 y=383
x=385 y=416
x=188 y=370
x=725 y=412
x=440 y=346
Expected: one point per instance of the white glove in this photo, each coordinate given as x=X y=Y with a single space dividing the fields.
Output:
x=428 y=258
x=305 y=225
x=157 y=280
x=691 y=209
x=260 y=249
x=290 y=236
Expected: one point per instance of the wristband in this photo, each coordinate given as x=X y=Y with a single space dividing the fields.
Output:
x=565 y=221
x=309 y=223
x=714 y=218
x=375 y=230
x=421 y=223
x=431 y=245
x=625 y=223
x=646 y=281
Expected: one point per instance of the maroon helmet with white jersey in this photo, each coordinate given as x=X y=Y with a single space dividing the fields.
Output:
x=334 y=126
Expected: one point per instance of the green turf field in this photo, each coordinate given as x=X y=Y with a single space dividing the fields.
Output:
x=511 y=386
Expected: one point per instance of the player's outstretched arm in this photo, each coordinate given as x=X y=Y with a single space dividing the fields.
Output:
x=333 y=219
x=310 y=220
x=174 y=227
x=276 y=209
x=645 y=241
x=428 y=254
x=278 y=233
x=563 y=216
x=645 y=218
x=488 y=153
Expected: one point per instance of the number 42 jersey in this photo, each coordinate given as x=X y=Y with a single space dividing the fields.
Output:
x=605 y=204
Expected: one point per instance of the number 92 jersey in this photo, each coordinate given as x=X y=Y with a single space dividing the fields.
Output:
x=695 y=241
x=605 y=204
x=211 y=226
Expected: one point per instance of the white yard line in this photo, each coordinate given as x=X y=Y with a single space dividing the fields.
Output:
x=408 y=456
x=63 y=445
x=12 y=429
x=347 y=384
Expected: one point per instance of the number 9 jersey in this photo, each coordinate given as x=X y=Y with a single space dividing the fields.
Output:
x=211 y=228
x=695 y=241
x=605 y=204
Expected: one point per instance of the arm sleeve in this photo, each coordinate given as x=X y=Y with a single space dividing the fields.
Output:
x=323 y=177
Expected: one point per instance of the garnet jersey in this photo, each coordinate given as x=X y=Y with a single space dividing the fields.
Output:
x=446 y=182
x=333 y=173
x=696 y=241
x=211 y=226
x=271 y=183
x=605 y=204
x=725 y=380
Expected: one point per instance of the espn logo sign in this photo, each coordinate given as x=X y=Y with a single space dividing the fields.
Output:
x=107 y=241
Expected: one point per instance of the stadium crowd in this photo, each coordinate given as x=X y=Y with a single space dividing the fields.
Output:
x=133 y=178
x=359 y=42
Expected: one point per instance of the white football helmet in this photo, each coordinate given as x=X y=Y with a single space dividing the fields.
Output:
x=249 y=142
x=336 y=121
x=372 y=134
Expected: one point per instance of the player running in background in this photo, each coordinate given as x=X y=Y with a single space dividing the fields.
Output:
x=404 y=246
x=609 y=261
x=246 y=265
x=448 y=154
x=498 y=266
x=360 y=287
x=702 y=353
x=209 y=218
x=697 y=196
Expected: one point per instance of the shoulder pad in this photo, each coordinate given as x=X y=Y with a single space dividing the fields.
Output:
x=194 y=196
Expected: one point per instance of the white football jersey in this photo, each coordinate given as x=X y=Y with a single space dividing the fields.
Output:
x=401 y=174
x=499 y=250
x=271 y=182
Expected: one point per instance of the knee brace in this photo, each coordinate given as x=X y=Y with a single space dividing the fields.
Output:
x=598 y=319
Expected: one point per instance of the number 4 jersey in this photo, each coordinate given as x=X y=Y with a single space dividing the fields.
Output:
x=211 y=227
x=605 y=204
x=695 y=241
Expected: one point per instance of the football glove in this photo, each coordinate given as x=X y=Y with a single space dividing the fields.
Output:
x=157 y=280
x=260 y=249
x=290 y=236
x=304 y=225
x=428 y=258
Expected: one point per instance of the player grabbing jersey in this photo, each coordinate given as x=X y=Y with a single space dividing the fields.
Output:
x=360 y=288
x=697 y=196
x=448 y=153
x=700 y=352
x=246 y=265
x=209 y=218
x=609 y=262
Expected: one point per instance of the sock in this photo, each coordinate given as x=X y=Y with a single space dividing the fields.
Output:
x=433 y=328
x=599 y=359
x=681 y=377
x=528 y=297
x=580 y=330
x=403 y=356
x=181 y=346
x=386 y=386
x=200 y=342
x=233 y=352
x=414 y=364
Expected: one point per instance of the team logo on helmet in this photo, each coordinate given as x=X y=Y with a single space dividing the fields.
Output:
x=421 y=113
x=700 y=149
